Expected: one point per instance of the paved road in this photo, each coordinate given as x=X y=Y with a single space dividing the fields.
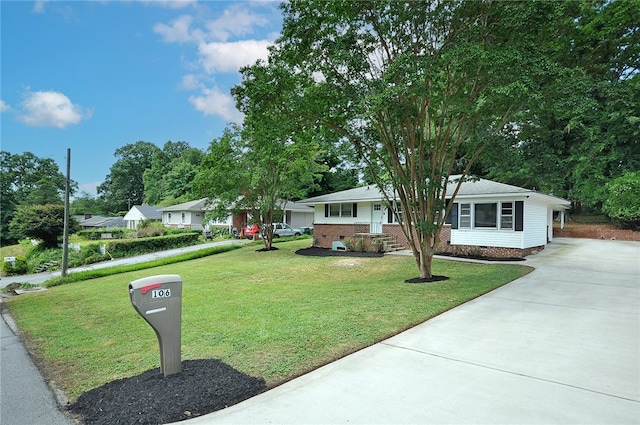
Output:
x=558 y=346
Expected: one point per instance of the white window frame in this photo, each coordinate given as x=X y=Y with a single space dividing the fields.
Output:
x=465 y=218
x=506 y=220
x=341 y=210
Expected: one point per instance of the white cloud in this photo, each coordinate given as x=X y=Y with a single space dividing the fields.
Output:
x=38 y=6
x=179 y=31
x=51 y=109
x=214 y=102
x=171 y=4
x=191 y=82
x=230 y=57
x=4 y=107
x=235 y=20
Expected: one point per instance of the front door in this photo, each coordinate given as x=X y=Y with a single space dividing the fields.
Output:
x=376 y=218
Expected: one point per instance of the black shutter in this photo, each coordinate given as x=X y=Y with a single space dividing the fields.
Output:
x=326 y=210
x=389 y=215
x=453 y=216
x=519 y=216
x=355 y=209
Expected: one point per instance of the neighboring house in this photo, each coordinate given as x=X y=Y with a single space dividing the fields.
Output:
x=89 y=221
x=487 y=218
x=298 y=216
x=139 y=213
x=191 y=215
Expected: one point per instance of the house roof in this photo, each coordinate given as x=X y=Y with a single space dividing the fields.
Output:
x=149 y=211
x=468 y=189
x=99 y=221
x=197 y=205
x=294 y=206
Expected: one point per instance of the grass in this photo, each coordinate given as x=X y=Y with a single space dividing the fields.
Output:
x=271 y=314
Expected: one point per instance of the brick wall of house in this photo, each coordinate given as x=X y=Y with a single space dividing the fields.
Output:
x=325 y=234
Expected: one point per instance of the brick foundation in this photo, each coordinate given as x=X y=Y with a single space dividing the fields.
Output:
x=325 y=234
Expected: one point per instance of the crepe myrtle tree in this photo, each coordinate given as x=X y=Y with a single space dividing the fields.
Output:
x=256 y=169
x=406 y=85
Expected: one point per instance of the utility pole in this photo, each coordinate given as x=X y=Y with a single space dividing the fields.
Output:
x=65 y=237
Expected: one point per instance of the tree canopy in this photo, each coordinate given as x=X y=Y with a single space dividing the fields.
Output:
x=123 y=187
x=256 y=169
x=168 y=180
x=416 y=89
x=26 y=179
x=43 y=222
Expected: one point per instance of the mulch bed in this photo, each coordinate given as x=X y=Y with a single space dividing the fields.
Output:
x=315 y=251
x=204 y=386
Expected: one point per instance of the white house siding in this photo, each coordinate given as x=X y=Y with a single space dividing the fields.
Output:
x=363 y=215
x=535 y=224
x=487 y=237
x=133 y=218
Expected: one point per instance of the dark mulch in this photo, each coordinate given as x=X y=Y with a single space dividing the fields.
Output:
x=427 y=279
x=315 y=251
x=204 y=386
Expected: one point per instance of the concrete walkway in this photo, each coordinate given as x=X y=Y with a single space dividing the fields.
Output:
x=558 y=346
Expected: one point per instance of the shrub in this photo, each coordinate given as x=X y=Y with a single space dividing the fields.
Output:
x=623 y=201
x=94 y=234
x=19 y=267
x=120 y=249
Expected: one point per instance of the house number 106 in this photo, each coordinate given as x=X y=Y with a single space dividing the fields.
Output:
x=161 y=293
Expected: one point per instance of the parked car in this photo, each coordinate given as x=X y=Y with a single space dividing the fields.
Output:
x=279 y=230
x=283 y=229
x=251 y=230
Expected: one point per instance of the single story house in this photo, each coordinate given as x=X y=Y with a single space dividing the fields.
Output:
x=190 y=215
x=297 y=215
x=89 y=221
x=487 y=218
x=139 y=213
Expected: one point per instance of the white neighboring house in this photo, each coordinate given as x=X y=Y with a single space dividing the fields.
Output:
x=139 y=213
x=298 y=216
x=190 y=215
x=487 y=218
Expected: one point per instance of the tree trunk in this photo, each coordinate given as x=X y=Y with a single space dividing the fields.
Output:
x=424 y=258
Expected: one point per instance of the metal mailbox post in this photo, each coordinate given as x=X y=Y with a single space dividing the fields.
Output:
x=158 y=299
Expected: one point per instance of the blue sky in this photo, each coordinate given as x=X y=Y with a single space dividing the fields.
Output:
x=93 y=76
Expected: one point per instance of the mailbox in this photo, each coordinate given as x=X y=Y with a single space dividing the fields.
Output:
x=158 y=299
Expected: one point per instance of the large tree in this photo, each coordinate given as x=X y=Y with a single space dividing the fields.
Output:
x=257 y=169
x=411 y=86
x=168 y=180
x=574 y=147
x=26 y=179
x=124 y=185
x=43 y=222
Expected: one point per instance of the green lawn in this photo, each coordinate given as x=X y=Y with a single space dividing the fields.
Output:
x=270 y=314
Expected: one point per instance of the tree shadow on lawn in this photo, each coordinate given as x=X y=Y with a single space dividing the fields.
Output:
x=315 y=251
x=203 y=386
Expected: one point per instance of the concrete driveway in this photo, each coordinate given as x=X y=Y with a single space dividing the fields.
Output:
x=558 y=346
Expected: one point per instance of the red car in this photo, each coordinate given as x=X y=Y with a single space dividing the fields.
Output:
x=251 y=230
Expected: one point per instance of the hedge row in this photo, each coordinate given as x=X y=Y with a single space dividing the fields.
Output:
x=128 y=248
